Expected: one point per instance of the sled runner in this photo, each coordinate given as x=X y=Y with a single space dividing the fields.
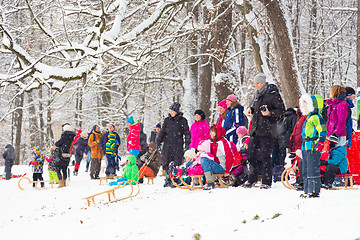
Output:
x=108 y=177
x=36 y=182
x=111 y=192
x=219 y=183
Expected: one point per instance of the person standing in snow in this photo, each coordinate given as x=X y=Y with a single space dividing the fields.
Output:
x=154 y=134
x=268 y=106
x=51 y=166
x=222 y=108
x=143 y=141
x=109 y=144
x=9 y=157
x=233 y=119
x=199 y=129
x=65 y=144
x=350 y=96
x=81 y=147
x=96 y=152
x=37 y=164
x=133 y=140
x=174 y=133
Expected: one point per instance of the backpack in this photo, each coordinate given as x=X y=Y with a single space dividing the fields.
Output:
x=277 y=171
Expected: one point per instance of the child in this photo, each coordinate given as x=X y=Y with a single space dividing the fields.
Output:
x=131 y=172
x=313 y=135
x=133 y=139
x=51 y=166
x=151 y=162
x=38 y=163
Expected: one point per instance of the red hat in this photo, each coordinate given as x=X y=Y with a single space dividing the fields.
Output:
x=231 y=98
x=223 y=104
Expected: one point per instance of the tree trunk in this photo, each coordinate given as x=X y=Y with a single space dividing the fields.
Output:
x=18 y=119
x=288 y=78
x=33 y=122
x=41 y=118
x=312 y=54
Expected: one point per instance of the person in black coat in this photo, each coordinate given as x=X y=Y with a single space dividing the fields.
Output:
x=154 y=134
x=268 y=106
x=65 y=146
x=143 y=141
x=9 y=157
x=81 y=146
x=173 y=132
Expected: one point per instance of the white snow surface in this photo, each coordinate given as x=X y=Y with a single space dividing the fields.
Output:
x=166 y=213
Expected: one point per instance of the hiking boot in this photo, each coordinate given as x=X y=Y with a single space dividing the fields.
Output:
x=326 y=186
x=298 y=187
x=75 y=172
x=209 y=186
x=248 y=185
x=265 y=186
x=314 y=195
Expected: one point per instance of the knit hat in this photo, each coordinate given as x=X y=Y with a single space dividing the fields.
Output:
x=231 y=98
x=83 y=135
x=175 y=107
x=223 y=104
x=67 y=128
x=130 y=120
x=260 y=78
x=204 y=146
x=333 y=139
x=349 y=91
x=190 y=153
x=241 y=130
x=62 y=126
x=158 y=125
x=201 y=113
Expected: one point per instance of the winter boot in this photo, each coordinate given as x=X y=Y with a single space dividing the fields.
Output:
x=64 y=182
x=76 y=172
x=61 y=183
x=210 y=181
x=172 y=168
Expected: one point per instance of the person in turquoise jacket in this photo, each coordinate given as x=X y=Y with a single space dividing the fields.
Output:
x=336 y=164
x=131 y=172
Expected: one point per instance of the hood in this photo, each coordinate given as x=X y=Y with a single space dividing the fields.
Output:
x=131 y=159
x=135 y=126
x=241 y=108
x=315 y=103
x=68 y=133
x=93 y=129
x=37 y=150
x=220 y=131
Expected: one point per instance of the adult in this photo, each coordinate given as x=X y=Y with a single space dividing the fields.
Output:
x=266 y=109
x=350 y=96
x=143 y=141
x=65 y=144
x=222 y=108
x=233 y=119
x=96 y=152
x=337 y=113
x=81 y=146
x=109 y=144
x=133 y=139
x=174 y=133
x=9 y=157
x=199 y=129
x=220 y=148
x=154 y=134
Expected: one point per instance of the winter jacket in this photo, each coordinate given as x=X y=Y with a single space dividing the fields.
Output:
x=285 y=127
x=94 y=144
x=266 y=125
x=337 y=113
x=131 y=171
x=295 y=138
x=314 y=128
x=221 y=149
x=233 y=120
x=173 y=132
x=349 y=123
x=81 y=146
x=199 y=132
x=143 y=141
x=153 y=136
x=37 y=162
x=9 y=155
x=51 y=163
x=133 y=139
x=153 y=158
x=65 y=143
x=338 y=158
x=110 y=144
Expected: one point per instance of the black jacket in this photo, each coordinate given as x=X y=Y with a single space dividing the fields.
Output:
x=143 y=143
x=9 y=155
x=286 y=126
x=81 y=146
x=173 y=132
x=64 y=144
x=266 y=125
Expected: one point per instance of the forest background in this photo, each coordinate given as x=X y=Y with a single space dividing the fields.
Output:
x=90 y=62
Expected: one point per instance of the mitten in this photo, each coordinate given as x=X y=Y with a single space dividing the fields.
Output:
x=48 y=159
x=319 y=146
x=34 y=162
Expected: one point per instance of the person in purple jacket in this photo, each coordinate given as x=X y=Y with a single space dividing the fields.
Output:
x=199 y=130
x=337 y=113
x=81 y=147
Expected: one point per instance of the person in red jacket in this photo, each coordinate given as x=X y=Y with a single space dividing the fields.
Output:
x=133 y=139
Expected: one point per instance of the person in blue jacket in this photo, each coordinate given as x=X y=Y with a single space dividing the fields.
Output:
x=350 y=96
x=336 y=164
x=233 y=119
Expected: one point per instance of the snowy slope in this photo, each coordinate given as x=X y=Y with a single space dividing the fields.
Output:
x=165 y=213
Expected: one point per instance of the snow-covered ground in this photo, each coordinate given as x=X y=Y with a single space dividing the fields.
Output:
x=165 y=213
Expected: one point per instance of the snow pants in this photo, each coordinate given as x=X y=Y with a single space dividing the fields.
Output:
x=88 y=160
x=311 y=171
x=111 y=165
x=8 y=171
x=53 y=176
x=61 y=172
x=38 y=177
x=95 y=168
x=329 y=174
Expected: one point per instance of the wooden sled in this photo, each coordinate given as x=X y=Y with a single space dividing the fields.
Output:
x=285 y=176
x=36 y=182
x=348 y=179
x=201 y=186
x=106 y=178
x=111 y=192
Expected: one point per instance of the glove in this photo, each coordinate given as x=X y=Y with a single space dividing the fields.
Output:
x=323 y=163
x=48 y=159
x=243 y=152
x=319 y=146
x=34 y=162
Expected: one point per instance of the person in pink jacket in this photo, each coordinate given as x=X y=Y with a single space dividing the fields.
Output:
x=199 y=130
x=222 y=108
x=133 y=139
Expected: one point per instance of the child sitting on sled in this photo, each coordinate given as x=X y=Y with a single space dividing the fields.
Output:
x=131 y=172
x=37 y=164
x=51 y=166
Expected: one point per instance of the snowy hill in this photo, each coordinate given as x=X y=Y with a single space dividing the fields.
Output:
x=165 y=213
